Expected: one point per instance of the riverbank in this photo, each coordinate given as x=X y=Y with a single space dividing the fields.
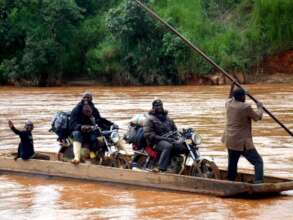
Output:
x=274 y=69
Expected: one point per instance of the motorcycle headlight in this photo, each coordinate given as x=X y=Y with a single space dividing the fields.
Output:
x=115 y=137
x=189 y=141
x=196 y=138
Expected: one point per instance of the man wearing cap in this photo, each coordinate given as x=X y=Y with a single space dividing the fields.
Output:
x=26 y=146
x=79 y=129
x=156 y=128
x=238 y=133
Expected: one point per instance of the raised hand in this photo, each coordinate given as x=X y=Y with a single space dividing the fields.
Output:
x=10 y=124
x=259 y=104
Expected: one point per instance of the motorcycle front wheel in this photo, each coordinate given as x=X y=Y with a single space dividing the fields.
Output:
x=205 y=168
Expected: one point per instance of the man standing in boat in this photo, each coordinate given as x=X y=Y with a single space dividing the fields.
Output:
x=238 y=133
x=156 y=129
x=80 y=128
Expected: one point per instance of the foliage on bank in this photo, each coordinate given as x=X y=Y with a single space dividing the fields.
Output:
x=43 y=42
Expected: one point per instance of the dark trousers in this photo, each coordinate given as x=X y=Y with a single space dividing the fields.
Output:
x=165 y=149
x=252 y=156
x=168 y=150
x=86 y=137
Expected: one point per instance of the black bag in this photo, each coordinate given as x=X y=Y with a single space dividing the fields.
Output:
x=60 y=125
x=135 y=136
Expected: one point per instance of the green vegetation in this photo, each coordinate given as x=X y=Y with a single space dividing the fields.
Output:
x=45 y=42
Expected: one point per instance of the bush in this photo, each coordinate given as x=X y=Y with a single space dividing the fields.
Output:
x=116 y=42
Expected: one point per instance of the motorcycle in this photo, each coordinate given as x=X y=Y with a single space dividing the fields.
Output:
x=146 y=158
x=108 y=152
x=200 y=167
x=111 y=149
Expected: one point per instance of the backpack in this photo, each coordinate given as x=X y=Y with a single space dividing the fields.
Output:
x=135 y=136
x=138 y=119
x=60 y=125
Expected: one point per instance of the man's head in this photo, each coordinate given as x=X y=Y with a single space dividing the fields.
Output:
x=28 y=125
x=158 y=106
x=87 y=111
x=87 y=97
x=239 y=95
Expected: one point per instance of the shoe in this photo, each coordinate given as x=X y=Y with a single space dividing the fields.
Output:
x=92 y=155
x=156 y=170
x=75 y=161
x=258 y=182
x=133 y=165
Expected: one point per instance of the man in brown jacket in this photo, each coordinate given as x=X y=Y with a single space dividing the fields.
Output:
x=238 y=135
x=157 y=130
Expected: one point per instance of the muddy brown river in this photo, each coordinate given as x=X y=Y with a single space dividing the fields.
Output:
x=199 y=107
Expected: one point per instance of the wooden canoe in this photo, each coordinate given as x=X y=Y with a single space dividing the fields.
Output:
x=218 y=187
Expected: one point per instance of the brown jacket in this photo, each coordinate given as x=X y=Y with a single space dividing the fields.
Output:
x=238 y=134
x=156 y=128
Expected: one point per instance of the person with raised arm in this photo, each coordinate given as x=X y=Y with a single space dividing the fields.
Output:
x=26 y=145
x=238 y=133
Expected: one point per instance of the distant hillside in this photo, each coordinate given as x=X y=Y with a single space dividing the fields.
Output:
x=115 y=42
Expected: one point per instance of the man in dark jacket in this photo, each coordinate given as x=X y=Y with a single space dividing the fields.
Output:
x=157 y=130
x=77 y=112
x=26 y=146
x=81 y=129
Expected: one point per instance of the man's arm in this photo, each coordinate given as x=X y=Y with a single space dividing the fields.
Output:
x=74 y=122
x=100 y=121
x=230 y=96
x=174 y=127
x=256 y=115
x=104 y=123
x=231 y=90
x=150 y=134
x=11 y=126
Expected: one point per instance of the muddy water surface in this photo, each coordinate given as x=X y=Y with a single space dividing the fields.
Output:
x=200 y=107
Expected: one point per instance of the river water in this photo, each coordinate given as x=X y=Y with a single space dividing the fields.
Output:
x=200 y=107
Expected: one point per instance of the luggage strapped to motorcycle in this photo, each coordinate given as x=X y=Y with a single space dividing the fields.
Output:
x=60 y=125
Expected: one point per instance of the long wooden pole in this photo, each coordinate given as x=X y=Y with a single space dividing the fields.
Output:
x=209 y=60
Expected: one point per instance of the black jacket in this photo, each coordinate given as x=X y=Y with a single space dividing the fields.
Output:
x=26 y=146
x=77 y=118
x=156 y=127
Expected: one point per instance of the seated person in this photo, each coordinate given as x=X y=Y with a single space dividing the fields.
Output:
x=87 y=98
x=75 y=124
x=156 y=129
x=85 y=132
x=26 y=146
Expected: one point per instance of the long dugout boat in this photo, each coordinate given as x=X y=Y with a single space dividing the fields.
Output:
x=89 y=172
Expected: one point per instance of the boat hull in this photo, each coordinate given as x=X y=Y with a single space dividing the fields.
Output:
x=89 y=172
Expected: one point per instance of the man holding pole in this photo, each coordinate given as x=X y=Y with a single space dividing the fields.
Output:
x=238 y=134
